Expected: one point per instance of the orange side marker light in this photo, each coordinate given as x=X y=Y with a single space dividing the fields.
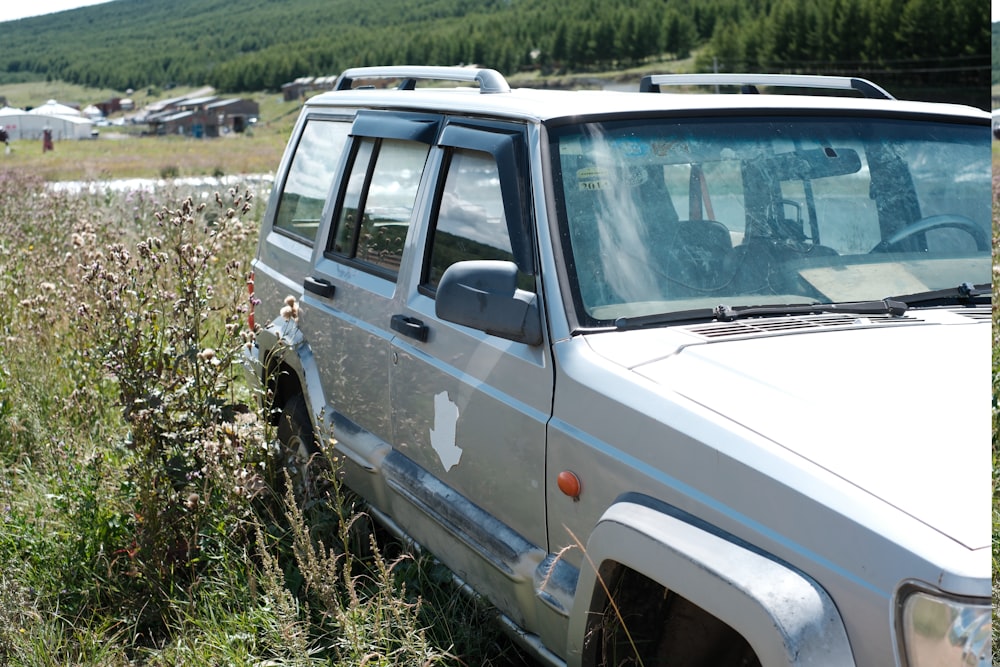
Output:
x=569 y=484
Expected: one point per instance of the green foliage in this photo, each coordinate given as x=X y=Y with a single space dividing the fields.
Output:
x=266 y=44
x=136 y=526
x=906 y=45
x=165 y=324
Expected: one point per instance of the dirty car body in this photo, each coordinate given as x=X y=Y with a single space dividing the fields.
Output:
x=698 y=379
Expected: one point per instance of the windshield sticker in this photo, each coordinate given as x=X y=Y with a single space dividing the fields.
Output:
x=592 y=178
x=636 y=176
x=631 y=147
x=596 y=178
x=677 y=149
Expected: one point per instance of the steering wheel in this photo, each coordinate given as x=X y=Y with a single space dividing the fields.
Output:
x=961 y=222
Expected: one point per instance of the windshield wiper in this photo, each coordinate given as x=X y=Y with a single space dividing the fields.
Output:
x=725 y=313
x=659 y=319
x=893 y=307
x=965 y=294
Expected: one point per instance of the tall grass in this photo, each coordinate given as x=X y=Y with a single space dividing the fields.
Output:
x=138 y=518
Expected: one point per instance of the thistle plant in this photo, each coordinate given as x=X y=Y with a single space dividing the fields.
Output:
x=166 y=322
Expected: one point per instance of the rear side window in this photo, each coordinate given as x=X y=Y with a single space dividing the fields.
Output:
x=378 y=202
x=310 y=176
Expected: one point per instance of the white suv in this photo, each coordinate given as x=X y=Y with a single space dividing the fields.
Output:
x=671 y=379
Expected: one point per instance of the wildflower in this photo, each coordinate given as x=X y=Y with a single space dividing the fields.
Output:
x=291 y=309
x=208 y=355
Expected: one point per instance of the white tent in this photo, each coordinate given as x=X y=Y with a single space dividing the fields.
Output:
x=9 y=120
x=53 y=108
x=30 y=125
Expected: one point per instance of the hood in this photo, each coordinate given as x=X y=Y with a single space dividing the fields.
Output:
x=900 y=411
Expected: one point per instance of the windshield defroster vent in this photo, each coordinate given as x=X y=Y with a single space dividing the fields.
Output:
x=778 y=325
x=977 y=314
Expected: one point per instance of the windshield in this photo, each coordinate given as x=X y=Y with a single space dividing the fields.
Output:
x=667 y=215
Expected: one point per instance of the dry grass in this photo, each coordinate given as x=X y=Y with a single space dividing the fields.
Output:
x=148 y=157
x=121 y=152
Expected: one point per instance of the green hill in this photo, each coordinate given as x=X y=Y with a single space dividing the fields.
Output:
x=926 y=45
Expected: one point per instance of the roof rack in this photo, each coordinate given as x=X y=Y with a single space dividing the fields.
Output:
x=490 y=81
x=748 y=82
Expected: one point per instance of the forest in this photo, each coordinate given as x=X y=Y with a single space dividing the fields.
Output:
x=995 y=78
x=260 y=44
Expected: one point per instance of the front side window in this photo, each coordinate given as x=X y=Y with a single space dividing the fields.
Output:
x=471 y=222
x=667 y=215
x=310 y=176
x=378 y=200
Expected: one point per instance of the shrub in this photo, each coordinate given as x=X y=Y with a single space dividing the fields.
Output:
x=135 y=527
x=167 y=327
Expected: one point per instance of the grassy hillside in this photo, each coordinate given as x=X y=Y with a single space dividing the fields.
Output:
x=260 y=44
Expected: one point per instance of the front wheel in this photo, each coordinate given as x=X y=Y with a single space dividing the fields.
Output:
x=648 y=626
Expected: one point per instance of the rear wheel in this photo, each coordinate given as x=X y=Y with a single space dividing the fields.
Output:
x=299 y=460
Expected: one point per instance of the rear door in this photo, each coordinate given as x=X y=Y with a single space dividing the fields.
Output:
x=347 y=303
x=469 y=409
x=294 y=214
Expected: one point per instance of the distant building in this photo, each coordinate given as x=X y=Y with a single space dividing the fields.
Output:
x=300 y=87
x=199 y=117
x=112 y=105
x=234 y=114
x=63 y=121
x=294 y=90
x=53 y=108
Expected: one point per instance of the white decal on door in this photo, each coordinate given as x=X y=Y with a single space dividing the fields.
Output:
x=443 y=433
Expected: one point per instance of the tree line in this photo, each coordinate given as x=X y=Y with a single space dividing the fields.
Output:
x=262 y=44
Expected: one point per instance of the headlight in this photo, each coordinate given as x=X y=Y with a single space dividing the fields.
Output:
x=939 y=632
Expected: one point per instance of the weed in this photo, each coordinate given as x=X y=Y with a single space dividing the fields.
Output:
x=136 y=524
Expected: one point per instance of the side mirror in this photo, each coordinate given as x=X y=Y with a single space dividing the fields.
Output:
x=483 y=294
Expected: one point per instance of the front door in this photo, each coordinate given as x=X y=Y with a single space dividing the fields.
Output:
x=469 y=409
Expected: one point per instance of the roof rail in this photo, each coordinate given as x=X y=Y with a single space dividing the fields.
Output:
x=748 y=82
x=490 y=81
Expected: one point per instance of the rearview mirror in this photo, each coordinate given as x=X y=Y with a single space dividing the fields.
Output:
x=810 y=163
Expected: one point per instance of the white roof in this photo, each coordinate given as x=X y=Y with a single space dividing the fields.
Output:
x=10 y=111
x=53 y=108
x=542 y=105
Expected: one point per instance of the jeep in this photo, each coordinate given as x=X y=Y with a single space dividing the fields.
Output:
x=668 y=377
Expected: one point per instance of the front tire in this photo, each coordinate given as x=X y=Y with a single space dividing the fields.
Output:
x=649 y=626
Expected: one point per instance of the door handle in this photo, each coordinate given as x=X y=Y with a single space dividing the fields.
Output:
x=409 y=327
x=319 y=286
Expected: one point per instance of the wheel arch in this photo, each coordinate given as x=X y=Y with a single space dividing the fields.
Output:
x=289 y=368
x=785 y=616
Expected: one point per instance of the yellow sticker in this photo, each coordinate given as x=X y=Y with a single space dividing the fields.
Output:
x=592 y=178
